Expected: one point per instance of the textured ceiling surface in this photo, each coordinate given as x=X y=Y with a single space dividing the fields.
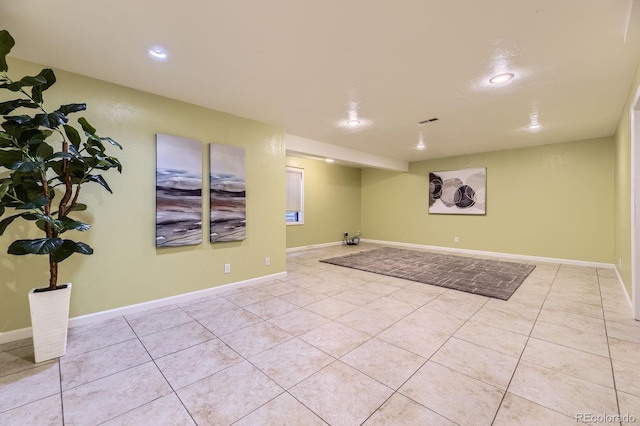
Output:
x=308 y=66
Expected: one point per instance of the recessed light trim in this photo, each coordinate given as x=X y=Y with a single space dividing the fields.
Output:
x=501 y=78
x=353 y=122
x=329 y=160
x=421 y=146
x=534 y=126
x=158 y=53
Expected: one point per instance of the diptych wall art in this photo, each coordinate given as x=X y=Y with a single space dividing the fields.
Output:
x=458 y=191
x=227 y=193
x=178 y=191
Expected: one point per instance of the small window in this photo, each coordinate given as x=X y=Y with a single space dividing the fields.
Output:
x=295 y=196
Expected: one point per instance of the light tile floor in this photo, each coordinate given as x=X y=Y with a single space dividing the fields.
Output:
x=331 y=345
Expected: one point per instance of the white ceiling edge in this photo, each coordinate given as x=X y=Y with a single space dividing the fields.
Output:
x=299 y=145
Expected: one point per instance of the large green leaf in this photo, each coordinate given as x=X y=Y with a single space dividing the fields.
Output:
x=112 y=142
x=37 y=246
x=6 y=43
x=9 y=156
x=100 y=180
x=4 y=187
x=68 y=248
x=1 y=209
x=71 y=108
x=26 y=82
x=88 y=128
x=68 y=224
x=5 y=140
x=63 y=155
x=18 y=119
x=25 y=165
x=38 y=202
x=9 y=106
x=49 y=78
x=73 y=135
x=44 y=150
x=7 y=221
x=57 y=118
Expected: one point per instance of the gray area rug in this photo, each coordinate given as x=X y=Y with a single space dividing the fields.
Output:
x=490 y=278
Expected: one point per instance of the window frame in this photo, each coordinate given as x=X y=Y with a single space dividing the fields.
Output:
x=300 y=213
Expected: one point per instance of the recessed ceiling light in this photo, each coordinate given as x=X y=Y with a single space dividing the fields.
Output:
x=158 y=53
x=329 y=160
x=353 y=122
x=534 y=126
x=501 y=78
x=421 y=145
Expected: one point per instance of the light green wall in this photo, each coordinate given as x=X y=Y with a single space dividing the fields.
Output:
x=126 y=267
x=331 y=203
x=551 y=201
x=622 y=190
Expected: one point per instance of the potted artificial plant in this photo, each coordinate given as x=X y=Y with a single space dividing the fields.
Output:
x=43 y=164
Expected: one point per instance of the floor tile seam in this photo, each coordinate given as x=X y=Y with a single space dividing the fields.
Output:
x=624 y=324
x=219 y=336
x=105 y=376
x=27 y=343
x=64 y=391
x=140 y=316
x=563 y=372
x=257 y=408
x=181 y=349
x=138 y=335
x=525 y=347
x=243 y=306
x=3 y=411
x=471 y=377
x=306 y=406
x=198 y=320
x=569 y=347
x=613 y=371
x=399 y=392
x=336 y=360
x=542 y=320
x=373 y=378
x=539 y=405
x=267 y=349
x=65 y=357
x=61 y=401
x=333 y=359
x=506 y=313
x=167 y=380
x=27 y=367
x=568 y=312
x=140 y=406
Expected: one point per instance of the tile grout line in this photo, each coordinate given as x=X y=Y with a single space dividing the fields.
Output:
x=606 y=331
x=524 y=348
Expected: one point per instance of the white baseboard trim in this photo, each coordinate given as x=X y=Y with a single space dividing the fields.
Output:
x=624 y=290
x=25 y=333
x=496 y=254
x=314 y=246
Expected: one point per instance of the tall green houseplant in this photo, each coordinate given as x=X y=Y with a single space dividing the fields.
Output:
x=44 y=162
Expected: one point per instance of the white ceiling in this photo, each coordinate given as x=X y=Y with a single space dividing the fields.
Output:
x=302 y=64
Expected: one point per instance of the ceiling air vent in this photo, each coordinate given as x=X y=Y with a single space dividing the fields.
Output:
x=428 y=121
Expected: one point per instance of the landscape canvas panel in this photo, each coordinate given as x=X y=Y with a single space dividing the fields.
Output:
x=178 y=191
x=458 y=191
x=227 y=193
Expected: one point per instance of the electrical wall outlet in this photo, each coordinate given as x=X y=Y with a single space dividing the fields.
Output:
x=267 y=261
x=227 y=268
x=456 y=239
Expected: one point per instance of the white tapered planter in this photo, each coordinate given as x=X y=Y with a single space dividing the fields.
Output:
x=49 y=321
